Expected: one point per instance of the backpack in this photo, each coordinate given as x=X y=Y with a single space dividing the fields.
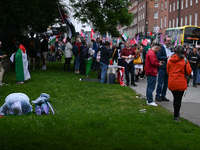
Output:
x=98 y=56
x=86 y=52
x=31 y=43
x=75 y=50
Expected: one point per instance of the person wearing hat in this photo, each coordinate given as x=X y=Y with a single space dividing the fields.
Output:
x=16 y=104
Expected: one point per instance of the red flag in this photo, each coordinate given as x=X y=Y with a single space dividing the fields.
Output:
x=92 y=33
x=82 y=34
x=129 y=40
x=110 y=42
x=144 y=42
x=150 y=34
x=133 y=41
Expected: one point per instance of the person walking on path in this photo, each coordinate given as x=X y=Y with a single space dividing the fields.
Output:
x=128 y=54
x=151 y=66
x=68 y=55
x=194 y=59
x=163 y=55
x=177 y=68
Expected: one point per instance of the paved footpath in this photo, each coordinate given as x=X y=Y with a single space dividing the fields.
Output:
x=190 y=107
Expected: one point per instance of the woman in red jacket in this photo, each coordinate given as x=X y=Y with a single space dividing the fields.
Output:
x=177 y=82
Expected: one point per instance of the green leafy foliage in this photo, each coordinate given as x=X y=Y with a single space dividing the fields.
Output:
x=38 y=14
x=103 y=15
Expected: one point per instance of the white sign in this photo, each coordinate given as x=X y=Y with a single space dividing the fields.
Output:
x=157 y=29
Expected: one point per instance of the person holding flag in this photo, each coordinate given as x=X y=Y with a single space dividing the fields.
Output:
x=21 y=64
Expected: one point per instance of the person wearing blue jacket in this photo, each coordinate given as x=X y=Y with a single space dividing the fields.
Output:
x=163 y=55
x=106 y=52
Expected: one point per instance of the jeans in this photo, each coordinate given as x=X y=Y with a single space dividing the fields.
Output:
x=194 y=76
x=77 y=63
x=129 y=67
x=151 y=84
x=177 y=102
x=162 y=83
x=104 y=69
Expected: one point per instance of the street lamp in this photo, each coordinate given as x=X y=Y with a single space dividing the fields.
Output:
x=146 y=23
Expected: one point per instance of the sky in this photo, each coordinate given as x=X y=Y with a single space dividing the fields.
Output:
x=76 y=23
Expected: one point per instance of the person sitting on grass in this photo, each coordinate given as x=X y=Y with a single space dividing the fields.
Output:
x=59 y=55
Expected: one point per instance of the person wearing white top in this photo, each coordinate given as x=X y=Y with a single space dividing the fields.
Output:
x=68 y=55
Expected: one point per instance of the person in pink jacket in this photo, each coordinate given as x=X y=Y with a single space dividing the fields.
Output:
x=151 y=65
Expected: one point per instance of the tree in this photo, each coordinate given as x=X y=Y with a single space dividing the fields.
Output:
x=37 y=14
x=103 y=15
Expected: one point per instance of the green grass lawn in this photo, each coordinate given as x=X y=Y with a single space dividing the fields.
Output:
x=91 y=116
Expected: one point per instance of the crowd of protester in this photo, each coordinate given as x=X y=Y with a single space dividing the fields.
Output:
x=162 y=64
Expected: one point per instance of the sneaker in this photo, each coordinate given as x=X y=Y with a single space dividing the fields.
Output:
x=133 y=84
x=165 y=99
x=152 y=104
x=158 y=99
x=177 y=119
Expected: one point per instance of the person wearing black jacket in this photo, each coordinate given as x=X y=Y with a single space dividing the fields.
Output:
x=82 y=58
x=194 y=59
x=104 y=60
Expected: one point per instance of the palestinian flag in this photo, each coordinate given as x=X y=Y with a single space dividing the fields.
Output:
x=81 y=33
x=69 y=25
x=125 y=36
x=151 y=35
x=52 y=39
x=21 y=64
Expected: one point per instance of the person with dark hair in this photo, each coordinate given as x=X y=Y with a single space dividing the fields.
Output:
x=32 y=45
x=129 y=53
x=68 y=55
x=194 y=59
x=163 y=55
x=151 y=66
x=106 y=51
x=82 y=58
x=89 y=59
x=177 y=69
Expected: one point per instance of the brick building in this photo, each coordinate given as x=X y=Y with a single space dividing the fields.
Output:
x=176 y=13
x=145 y=18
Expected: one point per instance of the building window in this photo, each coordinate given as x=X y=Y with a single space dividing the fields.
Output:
x=190 y=2
x=155 y=4
x=155 y=15
x=143 y=16
x=182 y=4
x=170 y=7
x=154 y=28
x=161 y=22
x=173 y=23
x=161 y=7
x=143 y=5
x=169 y=23
x=177 y=22
x=181 y=21
x=165 y=22
x=174 y=6
x=178 y=4
x=186 y=3
x=165 y=5
x=196 y=1
x=190 y=22
x=195 y=19
x=142 y=28
x=185 y=20
x=138 y=18
x=139 y=8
